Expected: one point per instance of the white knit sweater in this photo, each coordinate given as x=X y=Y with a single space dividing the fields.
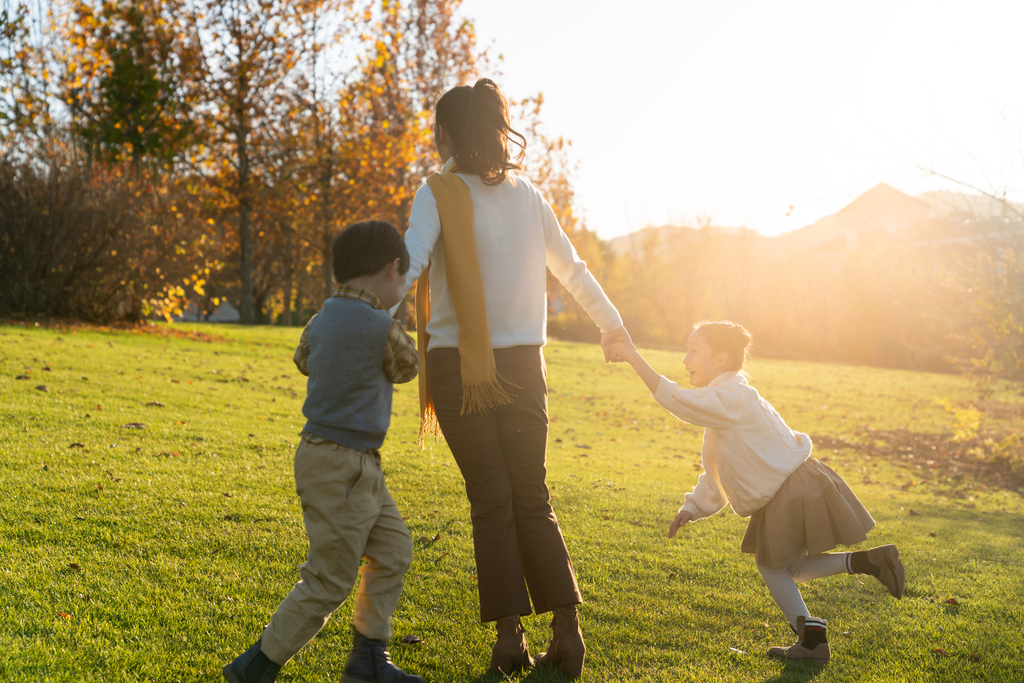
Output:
x=517 y=239
x=748 y=450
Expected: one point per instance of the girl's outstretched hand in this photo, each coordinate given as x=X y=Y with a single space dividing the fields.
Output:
x=682 y=518
x=609 y=338
x=622 y=350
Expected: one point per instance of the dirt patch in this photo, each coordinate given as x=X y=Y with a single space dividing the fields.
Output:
x=140 y=328
x=995 y=462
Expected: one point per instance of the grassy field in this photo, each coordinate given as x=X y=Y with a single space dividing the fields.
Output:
x=156 y=553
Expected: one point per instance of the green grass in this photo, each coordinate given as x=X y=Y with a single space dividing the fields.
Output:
x=157 y=554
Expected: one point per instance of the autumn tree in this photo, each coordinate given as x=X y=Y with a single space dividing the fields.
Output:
x=132 y=78
x=249 y=54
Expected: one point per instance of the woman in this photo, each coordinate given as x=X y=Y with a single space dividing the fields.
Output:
x=485 y=239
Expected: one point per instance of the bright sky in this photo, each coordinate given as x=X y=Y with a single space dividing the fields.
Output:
x=736 y=110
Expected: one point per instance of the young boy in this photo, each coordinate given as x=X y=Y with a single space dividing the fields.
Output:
x=352 y=351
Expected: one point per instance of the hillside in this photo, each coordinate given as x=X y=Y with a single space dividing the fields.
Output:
x=882 y=215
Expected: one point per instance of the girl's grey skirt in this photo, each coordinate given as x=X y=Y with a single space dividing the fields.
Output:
x=813 y=512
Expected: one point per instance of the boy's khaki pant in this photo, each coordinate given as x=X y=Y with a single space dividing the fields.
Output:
x=349 y=514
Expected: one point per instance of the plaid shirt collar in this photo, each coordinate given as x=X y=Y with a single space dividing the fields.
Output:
x=358 y=293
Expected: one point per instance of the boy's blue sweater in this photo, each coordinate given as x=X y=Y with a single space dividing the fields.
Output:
x=348 y=396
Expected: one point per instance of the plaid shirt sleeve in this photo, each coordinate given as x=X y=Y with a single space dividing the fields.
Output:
x=401 y=361
x=302 y=351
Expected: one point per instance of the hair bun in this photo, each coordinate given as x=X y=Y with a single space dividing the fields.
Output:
x=729 y=337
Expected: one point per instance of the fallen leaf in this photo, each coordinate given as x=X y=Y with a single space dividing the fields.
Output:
x=100 y=486
x=975 y=657
x=227 y=495
x=77 y=444
x=74 y=565
x=133 y=425
x=63 y=615
x=424 y=539
x=607 y=517
x=437 y=537
x=932 y=534
x=22 y=377
x=952 y=601
x=155 y=404
x=227 y=517
x=942 y=652
x=635 y=522
x=42 y=387
x=914 y=513
x=411 y=640
x=582 y=445
x=558 y=441
x=443 y=555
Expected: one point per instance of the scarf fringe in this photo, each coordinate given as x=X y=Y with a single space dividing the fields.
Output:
x=429 y=426
x=483 y=398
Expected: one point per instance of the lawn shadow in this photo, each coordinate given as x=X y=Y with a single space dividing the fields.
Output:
x=537 y=674
x=797 y=672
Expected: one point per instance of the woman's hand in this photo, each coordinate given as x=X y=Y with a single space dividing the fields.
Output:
x=609 y=338
x=682 y=518
x=623 y=350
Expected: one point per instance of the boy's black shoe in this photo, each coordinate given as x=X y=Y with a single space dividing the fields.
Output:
x=369 y=662
x=252 y=666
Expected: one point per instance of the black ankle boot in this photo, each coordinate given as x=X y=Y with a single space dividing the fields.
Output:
x=369 y=662
x=252 y=666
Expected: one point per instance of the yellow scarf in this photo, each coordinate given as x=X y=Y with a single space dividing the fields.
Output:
x=481 y=383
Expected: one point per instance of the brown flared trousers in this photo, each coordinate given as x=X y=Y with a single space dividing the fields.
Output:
x=520 y=552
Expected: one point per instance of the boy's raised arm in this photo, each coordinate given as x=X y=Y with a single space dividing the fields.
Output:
x=301 y=356
x=401 y=360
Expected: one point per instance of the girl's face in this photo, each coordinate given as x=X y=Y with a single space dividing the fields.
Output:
x=701 y=362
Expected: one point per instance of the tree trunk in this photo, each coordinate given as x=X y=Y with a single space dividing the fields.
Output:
x=245 y=237
x=328 y=258
x=289 y=270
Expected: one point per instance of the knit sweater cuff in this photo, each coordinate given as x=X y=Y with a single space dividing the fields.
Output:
x=611 y=321
x=695 y=512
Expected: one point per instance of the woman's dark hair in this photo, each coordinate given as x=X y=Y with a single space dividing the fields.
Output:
x=476 y=120
x=729 y=337
x=365 y=248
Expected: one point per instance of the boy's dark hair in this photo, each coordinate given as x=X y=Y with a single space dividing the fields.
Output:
x=365 y=248
x=476 y=119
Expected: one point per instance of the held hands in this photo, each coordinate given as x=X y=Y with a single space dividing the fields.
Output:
x=682 y=518
x=623 y=351
x=609 y=338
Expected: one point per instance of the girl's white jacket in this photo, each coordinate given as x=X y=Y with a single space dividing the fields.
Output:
x=748 y=450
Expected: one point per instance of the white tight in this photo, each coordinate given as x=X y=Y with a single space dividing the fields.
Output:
x=782 y=582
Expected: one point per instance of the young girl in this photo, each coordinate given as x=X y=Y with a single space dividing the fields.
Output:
x=798 y=507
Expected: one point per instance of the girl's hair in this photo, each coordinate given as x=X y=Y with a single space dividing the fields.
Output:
x=729 y=337
x=476 y=120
